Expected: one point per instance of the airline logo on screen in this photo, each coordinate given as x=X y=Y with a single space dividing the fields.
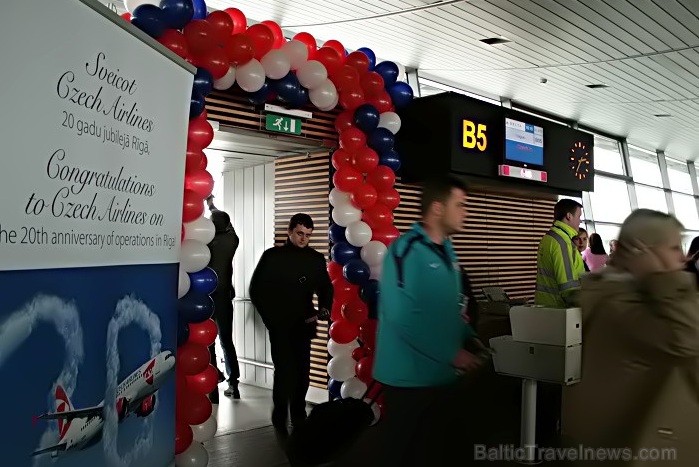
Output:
x=475 y=135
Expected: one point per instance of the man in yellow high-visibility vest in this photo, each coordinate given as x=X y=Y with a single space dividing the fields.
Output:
x=559 y=264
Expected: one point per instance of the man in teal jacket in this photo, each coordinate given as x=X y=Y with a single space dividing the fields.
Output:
x=422 y=325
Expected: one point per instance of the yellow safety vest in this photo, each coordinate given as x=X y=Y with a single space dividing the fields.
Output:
x=559 y=267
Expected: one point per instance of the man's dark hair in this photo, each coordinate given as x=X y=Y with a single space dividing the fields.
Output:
x=300 y=219
x=439 y=190
x=565 y=206
x=221 y=220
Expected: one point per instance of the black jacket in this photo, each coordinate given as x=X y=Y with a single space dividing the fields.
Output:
x=223 y=248
x=284 y=282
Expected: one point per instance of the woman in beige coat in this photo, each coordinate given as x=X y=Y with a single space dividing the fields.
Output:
x=640 y=376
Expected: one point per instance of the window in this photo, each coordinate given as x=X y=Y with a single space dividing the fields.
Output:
x=644 y=166
x=686 y=210
x=608 y=156
x=651 y=198
x=607 y=232
x=610 y=200
x=678 y=173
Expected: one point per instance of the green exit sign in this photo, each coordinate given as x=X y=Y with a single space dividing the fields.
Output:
x=280 y=124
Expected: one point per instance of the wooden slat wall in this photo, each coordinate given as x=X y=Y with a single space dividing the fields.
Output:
x=302 y=185
x=500 y=237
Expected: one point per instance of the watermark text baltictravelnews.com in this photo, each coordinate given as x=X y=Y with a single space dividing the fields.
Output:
x=511 y=452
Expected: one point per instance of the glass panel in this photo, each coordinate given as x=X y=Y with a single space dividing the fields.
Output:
x=651 y=198
x=607 y=232
x=686 y=210
x=608 y=156
x=610 y=200
x=644 y=167
x=678 y=173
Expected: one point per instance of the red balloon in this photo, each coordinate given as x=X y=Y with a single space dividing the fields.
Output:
x=262 y=39
x=366 y=160
x=240 y=23
x=336 y=46
x=200 y=36
x=364 y=369
x=309 y=41
x=359 y=353
x=222 y=25
x=355 y=311
x=175 y=41
x=390 y=198
x=382 y=178
x=347 y=179
x=199 y=181
x=277 y=33
x=352 y=139
x=334 y=270
x=239 y=49
x=336 y=312
x=192 y=206
x=192 y=359
x=382 y=102
x=372 y=84
x=385 y=235
x=344 y=291
x=193 y=160
x=364 y=196
x=375 y=391
x=359 y=61
x=192 y=408
x=351 y=97
x=344 y=120
x=183 y=437
x=126 y=16
x=341 y=158
x=215 y=60
x=346 y=77
x=204 y=162
x=200 y=133
x=203 y=333
x=343 y=332
x=367 y=333
x=330 y=59
x=203 y=382
x=378 y=216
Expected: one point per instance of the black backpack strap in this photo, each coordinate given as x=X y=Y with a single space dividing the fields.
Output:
x=399 y=259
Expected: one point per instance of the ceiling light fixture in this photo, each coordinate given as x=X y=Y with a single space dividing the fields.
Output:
x=495 y=40
x=662 y=115
x=596 y=86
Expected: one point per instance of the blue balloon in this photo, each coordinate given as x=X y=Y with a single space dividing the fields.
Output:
x=149 y=19
x=334 y=389
x=199 y=9
x=401 y=94
x=381 y=140
x=390 y=159
x=203 y=282
x=388 y=71
x=182 y=332
x=177 y=13
x=260 y=96
x=203 y=82
x=342 y=253
x=356 y=272
x=287 y=88
x=370 y=55
x=366 y=118
x=369 y=293
x=336 y=233
x=301 y=98
x=196 y=104
x=195 y=308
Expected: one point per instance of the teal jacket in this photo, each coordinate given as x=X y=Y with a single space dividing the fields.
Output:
x=420 y=327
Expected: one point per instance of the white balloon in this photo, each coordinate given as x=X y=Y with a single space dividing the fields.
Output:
x=184 y=283
x=401 y=71
x=251 y=76
x=201 y=229
x=375 y=272
x=375 y=409
x=323 y=95
x=336 y=349
x=194 y=456
x=312 y=74
x=297 y=53
x=206 y=430
x=353 y=388
x=276 y=64
x=373 y=253
x=337 y=197
x=194 y=255
x=131 y=5
x=390 y=121
x=341 y=368
x=345 y=214
x=358 y=233
x=226 y=81
x=331 y=105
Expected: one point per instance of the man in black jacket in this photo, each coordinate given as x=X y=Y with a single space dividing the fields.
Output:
x=282 y=289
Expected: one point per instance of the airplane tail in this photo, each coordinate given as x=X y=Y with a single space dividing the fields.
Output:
x=63 y=404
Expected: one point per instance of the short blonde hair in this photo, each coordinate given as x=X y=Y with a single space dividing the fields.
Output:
x=647 y=226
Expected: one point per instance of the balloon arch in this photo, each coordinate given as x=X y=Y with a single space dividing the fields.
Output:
x=260 y=63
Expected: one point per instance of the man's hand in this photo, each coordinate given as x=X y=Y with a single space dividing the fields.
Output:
x=466 y=361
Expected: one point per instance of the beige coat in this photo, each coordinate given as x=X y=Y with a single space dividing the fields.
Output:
x=640 y=375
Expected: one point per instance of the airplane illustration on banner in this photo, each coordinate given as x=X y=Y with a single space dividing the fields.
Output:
x=82 y=428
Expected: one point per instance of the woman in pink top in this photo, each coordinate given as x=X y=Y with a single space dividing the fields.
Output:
x=595 y=256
